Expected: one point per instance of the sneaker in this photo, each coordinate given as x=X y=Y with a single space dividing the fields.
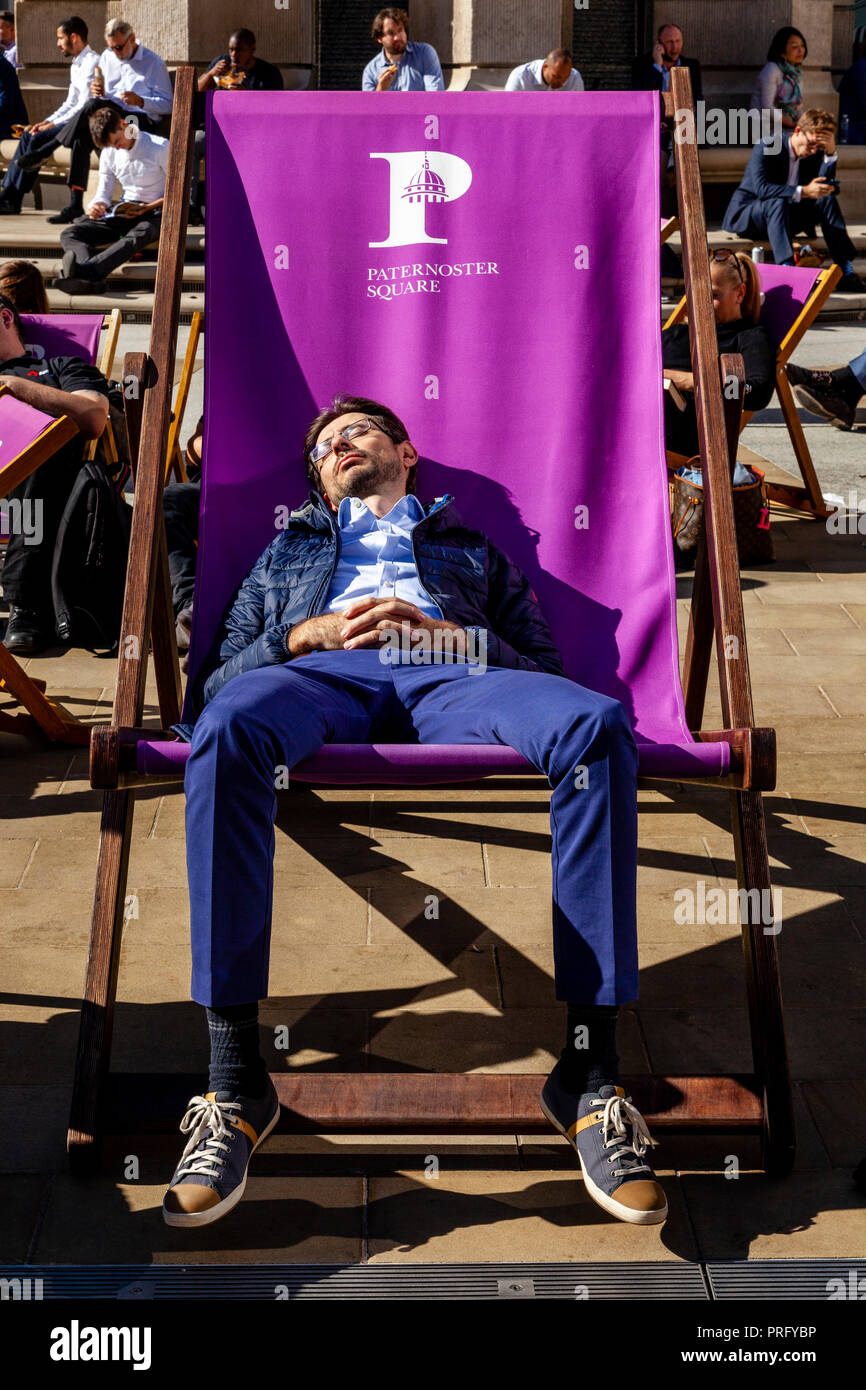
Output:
x=850 y=284
x=27 y=631
x=610 y=1137
x=224 y=1132
x=818 y=393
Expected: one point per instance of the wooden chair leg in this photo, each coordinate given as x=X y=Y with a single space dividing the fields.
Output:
x=763 y=985
x=100 y=984
x=54 y=722
x=813 y=502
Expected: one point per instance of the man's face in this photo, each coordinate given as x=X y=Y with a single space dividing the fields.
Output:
x=671 y=41
x=357 y=467
x=121 y=48
x=805 y=142
x=394 y=39
x=7 y=31
x=556 y=74
x=65 y=44
x=10 y=343
x=119 y=139
x=241 y=54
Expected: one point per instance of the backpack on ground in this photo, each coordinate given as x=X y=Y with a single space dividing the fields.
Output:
x=88 y=570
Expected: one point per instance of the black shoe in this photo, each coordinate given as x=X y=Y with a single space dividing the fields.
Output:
x=67 y=214
x=26 y=631
x=850 y=284
x=820 y=394
x=78 y=284
x=9 y=207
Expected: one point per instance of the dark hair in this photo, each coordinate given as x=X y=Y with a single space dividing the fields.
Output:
x=8 y=16
x=559 y=55
x=243 y=36
x=103 y=123
x=6 y=303
x=779 y=41
x=398 y=16
x=22 y=286
x=390 y=423
x=74 y=25
x=667 y=25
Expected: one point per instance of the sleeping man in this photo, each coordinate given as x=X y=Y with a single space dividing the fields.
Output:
x=309 y=654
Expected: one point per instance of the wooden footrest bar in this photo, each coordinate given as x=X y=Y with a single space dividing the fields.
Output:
x=430 y=1102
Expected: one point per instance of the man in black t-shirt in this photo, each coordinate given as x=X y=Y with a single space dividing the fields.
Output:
x=247 y=73
x=57 y=386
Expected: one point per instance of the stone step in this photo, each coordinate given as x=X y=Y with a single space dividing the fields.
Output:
x=31 y=235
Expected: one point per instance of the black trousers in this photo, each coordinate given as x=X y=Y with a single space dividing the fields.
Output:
x=76 y=136
x=181 y=504
x=681 y=426
x=27 y=570
x=101 y=246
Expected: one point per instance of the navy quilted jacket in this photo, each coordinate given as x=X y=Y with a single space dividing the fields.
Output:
x=474 y=584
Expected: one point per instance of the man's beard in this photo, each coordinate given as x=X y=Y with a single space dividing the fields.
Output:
x=365 y=476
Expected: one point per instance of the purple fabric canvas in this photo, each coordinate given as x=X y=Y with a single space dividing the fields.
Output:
x=63 y=335
x=786 y=289
x=20 y=424
x=462 y=258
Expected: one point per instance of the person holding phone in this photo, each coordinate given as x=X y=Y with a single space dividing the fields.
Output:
x=793 y=189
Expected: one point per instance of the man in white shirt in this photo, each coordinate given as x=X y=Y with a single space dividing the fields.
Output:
x=39 y=139
x=102 y=240
x=134 y=81
x=554 y=73
x=7 y=37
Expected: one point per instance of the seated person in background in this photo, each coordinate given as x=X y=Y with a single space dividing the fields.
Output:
x=737 y=307
x=779 y=84
x=7 y=37
x=72 y=42
x=181 y=502
x=131 y=80
x=103 y=239
x=791 y=191
x=852 y=101
x=400 y=66
x=551 y=74
x=59 y=386
x=832 y=394
x=22 y=284
x=652 y=72
x=299 y=662
x=239 y=69
x=12 y=108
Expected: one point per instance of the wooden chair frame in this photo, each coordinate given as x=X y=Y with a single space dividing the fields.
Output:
x=174 y=460
x=806 y=496
x=42 y=715
x=111 y=324
x=759 y=1103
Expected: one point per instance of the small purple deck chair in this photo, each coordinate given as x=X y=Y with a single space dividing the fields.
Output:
x=512 y=321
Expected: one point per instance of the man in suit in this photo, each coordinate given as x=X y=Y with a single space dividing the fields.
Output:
x=792 y=191
x=652 y=73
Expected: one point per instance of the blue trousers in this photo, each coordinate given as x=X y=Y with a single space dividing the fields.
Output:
x=276 y=716
x=776 y=219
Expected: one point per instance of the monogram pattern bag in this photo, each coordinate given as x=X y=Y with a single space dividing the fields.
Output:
x=751 y=517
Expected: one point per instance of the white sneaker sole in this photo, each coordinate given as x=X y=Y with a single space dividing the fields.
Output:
x=609 y=1204
x=204 y=1218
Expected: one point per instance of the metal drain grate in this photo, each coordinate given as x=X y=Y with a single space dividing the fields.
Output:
x=816 y=1280
x=650 y=1280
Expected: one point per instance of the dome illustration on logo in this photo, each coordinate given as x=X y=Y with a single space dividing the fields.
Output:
x=426 y=186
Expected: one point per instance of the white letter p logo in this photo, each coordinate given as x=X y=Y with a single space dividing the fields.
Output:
x=419 y=177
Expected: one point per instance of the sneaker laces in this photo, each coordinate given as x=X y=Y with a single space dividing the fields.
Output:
x=618 y=1115
x=205 y=1114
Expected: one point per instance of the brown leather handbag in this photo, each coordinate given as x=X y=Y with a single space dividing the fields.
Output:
x=751 y=517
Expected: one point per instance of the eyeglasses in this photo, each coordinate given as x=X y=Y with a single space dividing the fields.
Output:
x=723 y=255
x=351 y=431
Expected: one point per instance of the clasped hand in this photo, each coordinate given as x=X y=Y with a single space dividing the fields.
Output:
x=361 y=624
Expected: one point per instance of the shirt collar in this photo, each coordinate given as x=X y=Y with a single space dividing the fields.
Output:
x=354 y=511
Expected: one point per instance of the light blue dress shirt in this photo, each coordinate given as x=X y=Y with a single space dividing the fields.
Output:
x=419 y=70
x=376 y=556
x=145 y=74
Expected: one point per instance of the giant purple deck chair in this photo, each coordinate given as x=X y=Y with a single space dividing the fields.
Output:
x=504 y=370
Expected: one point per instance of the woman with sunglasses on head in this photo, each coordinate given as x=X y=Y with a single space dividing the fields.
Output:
x=737 y=307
